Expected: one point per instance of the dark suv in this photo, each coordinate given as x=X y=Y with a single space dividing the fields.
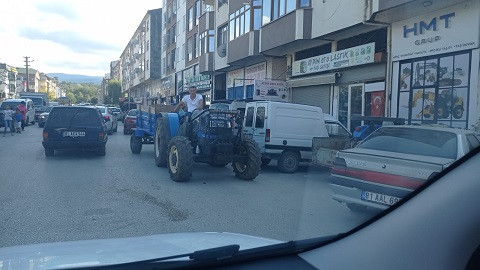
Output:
x=74 y=128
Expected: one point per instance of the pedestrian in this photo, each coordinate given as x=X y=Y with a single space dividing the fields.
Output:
x=23 y=110
x=18 y=121
x=8 y=119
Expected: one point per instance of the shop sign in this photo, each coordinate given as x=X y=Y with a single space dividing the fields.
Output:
x=350 y=57
x=202 y=82
x=271 y=90
x=232 y=76
x=255 y=72
x=443 y=31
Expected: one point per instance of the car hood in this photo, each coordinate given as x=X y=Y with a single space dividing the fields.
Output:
x=44 y=114
x=119 y=250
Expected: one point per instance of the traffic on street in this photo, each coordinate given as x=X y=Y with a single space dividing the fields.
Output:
x=77 y=195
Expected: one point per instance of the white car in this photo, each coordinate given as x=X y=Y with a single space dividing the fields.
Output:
x=109 y=118
x=395 y=160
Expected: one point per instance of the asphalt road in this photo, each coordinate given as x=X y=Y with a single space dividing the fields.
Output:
x=78 y=196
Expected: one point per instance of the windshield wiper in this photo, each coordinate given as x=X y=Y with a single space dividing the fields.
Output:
x=226 y=254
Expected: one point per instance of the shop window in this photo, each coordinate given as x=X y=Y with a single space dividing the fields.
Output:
x=378 y=36
x=435 y=90
x=323 y=49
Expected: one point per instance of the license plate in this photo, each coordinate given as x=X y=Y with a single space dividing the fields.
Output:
x=379 y=198
x=74 y=134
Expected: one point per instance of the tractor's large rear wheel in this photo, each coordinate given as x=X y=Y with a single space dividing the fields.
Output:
x=160 y=144
x=248 y=170
x=180 y=159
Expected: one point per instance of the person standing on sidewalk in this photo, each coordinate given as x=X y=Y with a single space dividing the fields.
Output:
x=23 y=110
x=8 y=118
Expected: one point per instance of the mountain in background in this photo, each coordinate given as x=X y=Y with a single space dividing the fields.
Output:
x=76 y=78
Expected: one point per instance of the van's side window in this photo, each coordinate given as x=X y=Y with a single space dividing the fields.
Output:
x=335 y=130
x=260 y=119
x=249 y=119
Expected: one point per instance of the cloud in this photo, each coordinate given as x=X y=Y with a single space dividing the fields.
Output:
x=58 y=8
x=68 y=39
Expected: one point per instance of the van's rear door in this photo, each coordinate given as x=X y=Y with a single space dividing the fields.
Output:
x=254 y=125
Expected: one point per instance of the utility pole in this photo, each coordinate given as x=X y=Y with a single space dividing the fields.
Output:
x=26 y=68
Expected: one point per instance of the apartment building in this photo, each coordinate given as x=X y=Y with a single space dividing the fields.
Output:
x=48 y=85
x=8 y=77
x=115 y=72
x=33 y=80
x=140 y=62
x=172 y=12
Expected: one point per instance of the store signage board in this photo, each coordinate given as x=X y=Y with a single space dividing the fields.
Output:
x=271 y=90
x=359 y=55
x=443 y=31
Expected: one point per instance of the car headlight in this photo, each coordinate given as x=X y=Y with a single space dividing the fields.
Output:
x=42 y=116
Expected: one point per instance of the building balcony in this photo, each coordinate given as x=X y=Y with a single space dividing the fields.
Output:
x=296 y=33
x=206 y=22
x=206 y=63
x=244 y=49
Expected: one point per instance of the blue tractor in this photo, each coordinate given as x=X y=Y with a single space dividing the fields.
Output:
x=208 y=136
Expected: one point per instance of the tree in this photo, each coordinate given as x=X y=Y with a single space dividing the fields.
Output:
x=94 y=101
x=71 y=96
x=114 y=90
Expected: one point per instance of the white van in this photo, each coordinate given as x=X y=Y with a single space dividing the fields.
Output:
x=13 y=103
x=284 y=131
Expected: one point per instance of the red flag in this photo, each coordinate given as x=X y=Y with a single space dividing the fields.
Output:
x=378 y=103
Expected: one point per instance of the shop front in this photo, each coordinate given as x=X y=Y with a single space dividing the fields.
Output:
x=344 y=83
x=435 y=67
x=240 y=82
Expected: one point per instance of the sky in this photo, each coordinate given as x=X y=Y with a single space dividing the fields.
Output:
x=69 y=36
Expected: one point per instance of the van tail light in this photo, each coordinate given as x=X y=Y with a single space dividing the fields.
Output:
x=45 y=136
x=101 y=136
x=267 y=135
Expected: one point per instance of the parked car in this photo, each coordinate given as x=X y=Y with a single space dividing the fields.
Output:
x=42 y=118
x=395 y=160
x=284 y=131
x=13 y=103
x=74 y=127
x=118 y=113
x=109 y=117
x=130 y=121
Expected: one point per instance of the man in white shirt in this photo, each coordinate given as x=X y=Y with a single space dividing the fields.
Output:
x=192 y=101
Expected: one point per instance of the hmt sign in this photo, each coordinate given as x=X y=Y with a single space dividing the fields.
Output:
x=441 y=31
x=420 y=28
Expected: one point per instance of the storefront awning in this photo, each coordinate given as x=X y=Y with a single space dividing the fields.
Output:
x=313 y=80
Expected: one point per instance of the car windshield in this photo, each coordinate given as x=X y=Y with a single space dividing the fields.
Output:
x=284 y=120
x=11 y=104
x=421 y=142
x=73 y=117
x=132 y=113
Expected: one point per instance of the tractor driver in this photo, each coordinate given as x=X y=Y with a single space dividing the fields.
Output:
x=192 y=101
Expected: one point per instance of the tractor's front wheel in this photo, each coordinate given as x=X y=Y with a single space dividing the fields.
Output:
x=160 y=144
x=457 y=112
x=135 y=144
x=180 y=159
x=249 y=169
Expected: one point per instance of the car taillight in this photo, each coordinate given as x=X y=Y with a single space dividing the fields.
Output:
x=267 y=135
x=45 y=136
x=101 y=136
x=358 y=129
x=107 y=117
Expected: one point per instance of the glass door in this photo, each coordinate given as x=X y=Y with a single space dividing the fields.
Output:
x=351 y=103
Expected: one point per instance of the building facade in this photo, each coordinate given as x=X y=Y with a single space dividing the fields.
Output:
x=33 y=80
x=48 y=85
x=435 y=61
x=8 y=77
x=140 y=62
